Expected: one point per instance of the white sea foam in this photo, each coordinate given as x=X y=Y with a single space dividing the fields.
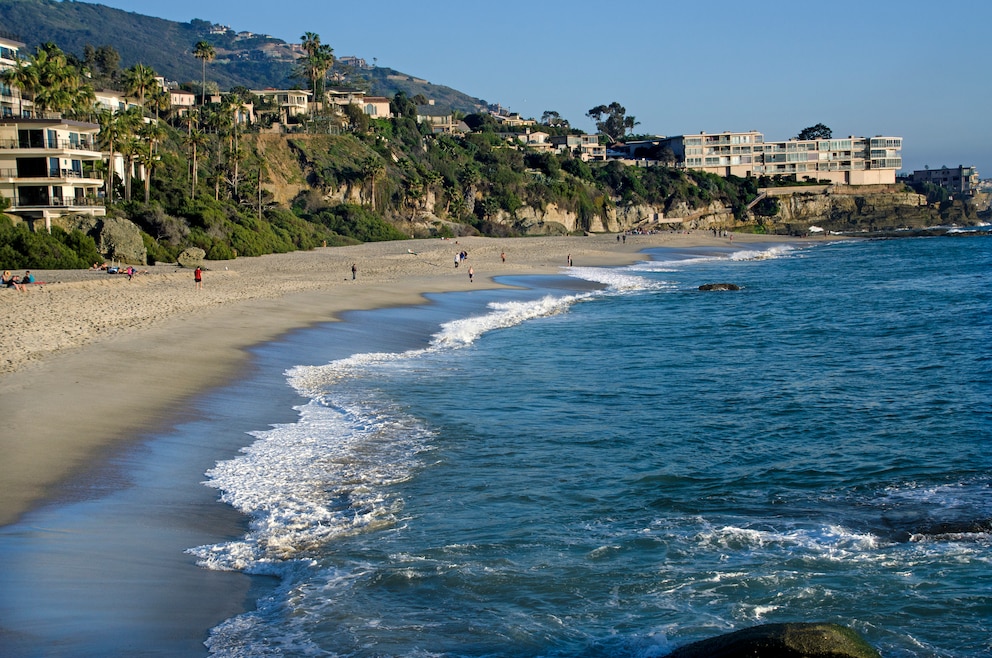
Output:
x=304 y=483
x=319 y=478
x=778 y=251
x=615 y=279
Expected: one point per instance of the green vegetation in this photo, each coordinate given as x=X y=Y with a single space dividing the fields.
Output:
x=24 y=249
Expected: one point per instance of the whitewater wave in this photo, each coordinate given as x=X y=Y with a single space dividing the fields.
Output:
x=325 y=476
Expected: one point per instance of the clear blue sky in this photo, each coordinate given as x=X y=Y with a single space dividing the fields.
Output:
x=911 y=68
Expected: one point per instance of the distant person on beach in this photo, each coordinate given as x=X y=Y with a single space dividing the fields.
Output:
x=10 y=281
x=570 y=260
x=502 y=255
x=27 y=278
x=458 y=258
x=471 y=273
x=354 y=271
x=130 y=272
x=198 y=277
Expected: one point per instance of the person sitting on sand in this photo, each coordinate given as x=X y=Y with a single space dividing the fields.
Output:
x=10 y=281
x=27 y=278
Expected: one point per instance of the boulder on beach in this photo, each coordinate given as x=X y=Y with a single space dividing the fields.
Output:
x=192 y=257
x=120 y=239
x=719 y=286
x=795 y=640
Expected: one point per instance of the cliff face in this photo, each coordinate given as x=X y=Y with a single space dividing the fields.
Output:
x=855 y=208
x=834 y=208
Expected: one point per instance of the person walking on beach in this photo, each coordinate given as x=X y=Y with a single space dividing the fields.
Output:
x=570 y=260
x=354 y=271
x=502 y=255
x=471 y=273
x=198 y=277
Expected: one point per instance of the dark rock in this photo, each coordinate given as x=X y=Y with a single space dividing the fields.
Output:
x=797 y=640
x=719 y=286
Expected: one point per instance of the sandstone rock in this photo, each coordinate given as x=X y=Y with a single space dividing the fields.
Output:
x=719 y=286
x=191 y=257
x=120 y=239
x=796 y=640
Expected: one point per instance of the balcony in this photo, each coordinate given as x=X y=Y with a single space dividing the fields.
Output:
x=52 y=175
x=50 y=145
x=20 y=203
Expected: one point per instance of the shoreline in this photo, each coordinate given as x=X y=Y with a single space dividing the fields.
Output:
x=93 y=361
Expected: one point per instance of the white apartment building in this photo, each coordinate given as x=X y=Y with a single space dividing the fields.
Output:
x=848 y=160
x=12 y=104
x=48 y=168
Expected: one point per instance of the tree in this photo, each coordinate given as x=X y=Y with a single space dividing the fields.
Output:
x=152 y=133
x=552 y=118
x=612 y=120
x=56 y=84
x=139 y=80
x=819 y=131
x=314 y=65
x=372 y=168
x=204 y=52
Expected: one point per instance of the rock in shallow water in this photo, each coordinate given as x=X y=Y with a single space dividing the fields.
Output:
x=796 y=640
x=719 y=286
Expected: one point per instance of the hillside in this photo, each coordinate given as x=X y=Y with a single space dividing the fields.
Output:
x=255 y=61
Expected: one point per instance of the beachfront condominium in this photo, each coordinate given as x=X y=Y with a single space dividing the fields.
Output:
x=847 y=160
x=956 y=180
x=12 y=103
x=49 y=168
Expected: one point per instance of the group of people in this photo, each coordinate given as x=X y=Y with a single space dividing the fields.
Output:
x=11 y=281
x=460 y=256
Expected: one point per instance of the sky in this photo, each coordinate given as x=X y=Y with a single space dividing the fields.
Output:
x=915 y=69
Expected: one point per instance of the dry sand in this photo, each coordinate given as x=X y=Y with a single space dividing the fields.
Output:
x=90 y=359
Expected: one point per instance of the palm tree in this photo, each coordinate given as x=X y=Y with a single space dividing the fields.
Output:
x=109 y=135
x=372 y=168
x=129 y=148
x=115 y=129
x=139 y=80
x=194 y=139
x=160 y=100
x=204 y=52
x=318 y=60
x=152 y=133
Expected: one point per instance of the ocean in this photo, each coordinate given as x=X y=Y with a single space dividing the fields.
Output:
x=607 y=462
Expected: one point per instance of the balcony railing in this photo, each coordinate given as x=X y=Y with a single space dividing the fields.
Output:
x=51 y=144
x=20 y=203
x=58 y=174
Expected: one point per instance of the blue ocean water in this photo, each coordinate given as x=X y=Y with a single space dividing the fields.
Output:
x=616 y=464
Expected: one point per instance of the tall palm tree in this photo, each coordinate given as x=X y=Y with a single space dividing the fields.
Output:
x=152 y=133
x=204 y=52
x=194 y=139
x=372 y=168
x=139 y=80
x=108 y=137
x=159 y=100
x=318 y=60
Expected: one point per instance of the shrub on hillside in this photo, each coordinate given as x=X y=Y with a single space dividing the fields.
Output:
x=24 y=249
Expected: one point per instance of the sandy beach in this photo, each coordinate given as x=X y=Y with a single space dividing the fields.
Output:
x=91 y=360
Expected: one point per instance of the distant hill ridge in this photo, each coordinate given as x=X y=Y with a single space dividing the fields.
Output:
x=256 y=61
